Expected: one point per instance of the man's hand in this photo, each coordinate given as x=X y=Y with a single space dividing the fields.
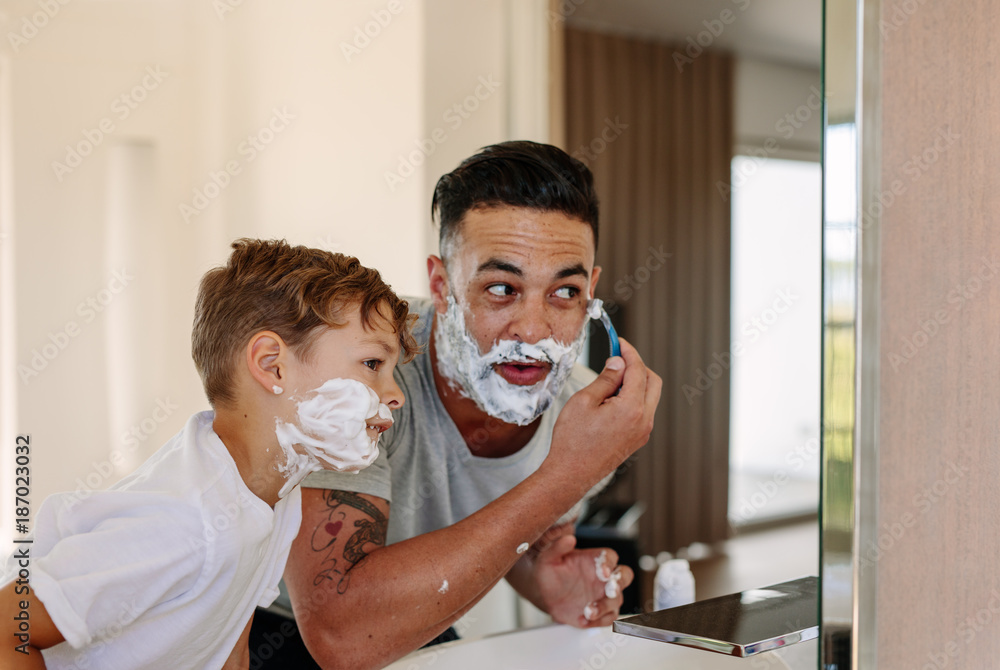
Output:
x=597 y=430
x=573 y=583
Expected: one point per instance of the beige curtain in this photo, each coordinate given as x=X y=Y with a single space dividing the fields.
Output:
x=655 y=126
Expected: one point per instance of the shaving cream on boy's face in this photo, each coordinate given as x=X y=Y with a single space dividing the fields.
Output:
x=331 y=431
x=473 y=373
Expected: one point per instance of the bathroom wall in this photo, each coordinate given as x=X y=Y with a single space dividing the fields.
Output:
x=938 y=533
x=141 y=138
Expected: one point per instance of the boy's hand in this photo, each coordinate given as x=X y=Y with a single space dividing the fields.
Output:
x=597 y=430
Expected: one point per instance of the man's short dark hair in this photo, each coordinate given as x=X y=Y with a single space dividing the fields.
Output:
x=514 y=174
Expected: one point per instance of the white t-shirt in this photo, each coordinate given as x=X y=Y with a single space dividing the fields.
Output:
x=164 y=569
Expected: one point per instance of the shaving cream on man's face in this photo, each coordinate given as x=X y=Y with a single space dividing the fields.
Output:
x=473 y=375
x=330 y=431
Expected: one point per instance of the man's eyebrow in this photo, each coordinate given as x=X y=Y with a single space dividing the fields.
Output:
x=503 y=266
x=572 y=271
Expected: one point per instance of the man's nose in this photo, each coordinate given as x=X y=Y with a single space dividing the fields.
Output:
x=530 y=323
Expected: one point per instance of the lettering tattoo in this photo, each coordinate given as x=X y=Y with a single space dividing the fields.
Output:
x=368 y=533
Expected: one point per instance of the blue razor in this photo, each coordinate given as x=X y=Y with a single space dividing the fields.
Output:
x=595 y=309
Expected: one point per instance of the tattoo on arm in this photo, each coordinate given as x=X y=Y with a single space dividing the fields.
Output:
x=356 y=546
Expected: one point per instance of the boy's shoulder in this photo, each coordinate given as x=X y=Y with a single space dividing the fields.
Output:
x=183 y=487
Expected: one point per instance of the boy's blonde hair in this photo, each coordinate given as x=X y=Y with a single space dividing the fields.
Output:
x=293 y=291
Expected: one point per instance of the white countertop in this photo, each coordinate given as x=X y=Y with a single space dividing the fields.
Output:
x=564 y=648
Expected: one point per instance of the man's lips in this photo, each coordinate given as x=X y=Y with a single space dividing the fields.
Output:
x=523 y=374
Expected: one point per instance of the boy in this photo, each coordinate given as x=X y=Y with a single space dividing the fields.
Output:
x=296 y=349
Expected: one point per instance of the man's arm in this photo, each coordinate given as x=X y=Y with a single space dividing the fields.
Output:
x=361 y=604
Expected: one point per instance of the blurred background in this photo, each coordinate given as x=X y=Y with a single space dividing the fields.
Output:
x=138 y=138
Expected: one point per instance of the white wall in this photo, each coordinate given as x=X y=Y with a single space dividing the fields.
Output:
x=101 y=370
x=778 y=109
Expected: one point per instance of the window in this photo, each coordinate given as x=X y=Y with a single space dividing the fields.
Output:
x=776 y=322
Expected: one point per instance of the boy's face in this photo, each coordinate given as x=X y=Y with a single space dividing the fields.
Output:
x=354 y=352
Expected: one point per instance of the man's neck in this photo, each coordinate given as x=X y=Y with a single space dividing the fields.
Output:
x=485 y=436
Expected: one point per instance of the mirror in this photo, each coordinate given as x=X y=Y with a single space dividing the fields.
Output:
x=137 y=139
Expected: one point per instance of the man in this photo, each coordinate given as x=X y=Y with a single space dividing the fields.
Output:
x=501 y=437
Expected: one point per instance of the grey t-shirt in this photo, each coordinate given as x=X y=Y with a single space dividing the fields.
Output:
x=432 y=478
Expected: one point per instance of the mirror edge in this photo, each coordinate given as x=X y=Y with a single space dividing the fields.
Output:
x=850 y=341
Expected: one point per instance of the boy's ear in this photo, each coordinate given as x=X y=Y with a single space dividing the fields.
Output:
x=266 y=356
x=437 y=273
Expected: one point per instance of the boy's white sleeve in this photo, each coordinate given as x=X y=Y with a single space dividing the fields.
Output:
x=97 y=564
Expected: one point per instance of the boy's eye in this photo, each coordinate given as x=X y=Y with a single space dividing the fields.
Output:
x=373 y=363
x=567 y=292
x=500 y=290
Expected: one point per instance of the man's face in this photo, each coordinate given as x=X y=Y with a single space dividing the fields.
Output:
x=518 y=275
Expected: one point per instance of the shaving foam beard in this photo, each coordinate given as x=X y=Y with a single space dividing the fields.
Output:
x=472 y=373
x=330 y=431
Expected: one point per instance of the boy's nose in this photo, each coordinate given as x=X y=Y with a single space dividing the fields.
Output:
x=391 y=395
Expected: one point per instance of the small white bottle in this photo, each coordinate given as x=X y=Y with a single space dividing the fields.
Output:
x=674 y=584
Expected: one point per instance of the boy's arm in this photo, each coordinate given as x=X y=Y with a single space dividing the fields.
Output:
x=239 y=657
x=361 y=604
x=24 y=653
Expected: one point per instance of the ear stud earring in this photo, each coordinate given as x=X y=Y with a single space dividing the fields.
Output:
x=277 y=390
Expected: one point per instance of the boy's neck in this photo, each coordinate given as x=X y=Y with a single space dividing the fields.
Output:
x=255 y=451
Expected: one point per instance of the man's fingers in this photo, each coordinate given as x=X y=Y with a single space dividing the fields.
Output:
x=602 y=612
x=627 y=575
x=558 y=549
x=607 y=382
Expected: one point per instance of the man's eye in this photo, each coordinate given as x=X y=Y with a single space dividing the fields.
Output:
x=501 y=290
x=567 y=292
x=373 y=363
